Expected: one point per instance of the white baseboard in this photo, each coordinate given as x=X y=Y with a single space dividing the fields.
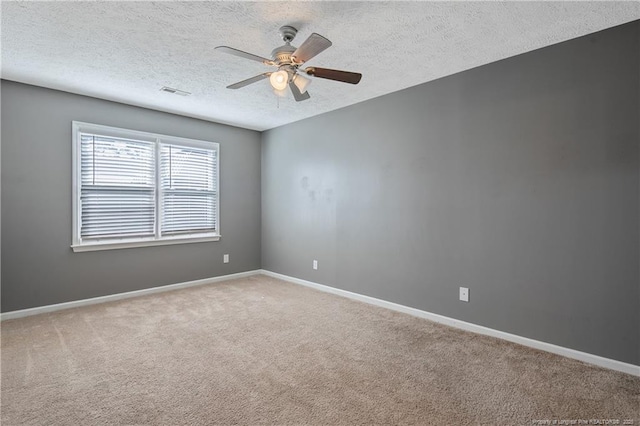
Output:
x=119 y=296
x=525 y=341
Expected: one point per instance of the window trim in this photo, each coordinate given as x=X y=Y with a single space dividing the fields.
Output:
x=109 y=244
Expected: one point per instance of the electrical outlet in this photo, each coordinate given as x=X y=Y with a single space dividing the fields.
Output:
x=464 y=294
x=225 y=258
x=315 y=264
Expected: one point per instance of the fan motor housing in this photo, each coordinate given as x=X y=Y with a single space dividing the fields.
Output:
x=282 y=55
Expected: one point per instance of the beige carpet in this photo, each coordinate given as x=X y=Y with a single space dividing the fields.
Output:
x=262 y=351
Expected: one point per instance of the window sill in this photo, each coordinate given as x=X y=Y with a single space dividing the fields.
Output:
x=113 y=245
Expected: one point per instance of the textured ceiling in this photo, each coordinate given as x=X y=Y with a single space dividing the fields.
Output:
x=126 y=51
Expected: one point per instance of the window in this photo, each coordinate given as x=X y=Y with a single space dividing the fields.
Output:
x=133 y=189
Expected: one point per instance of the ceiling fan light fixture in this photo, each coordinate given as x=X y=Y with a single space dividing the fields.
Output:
x=301 y=82
x=279 y=80
x=288 y=59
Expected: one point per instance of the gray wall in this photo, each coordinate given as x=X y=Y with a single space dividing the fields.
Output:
x=518 y=179
x=39 y=267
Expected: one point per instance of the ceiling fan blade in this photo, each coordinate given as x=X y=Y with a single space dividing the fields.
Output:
x=249 y=81
x=296 y=93
x=337 y=75
x=242 y=54
x=310 y=48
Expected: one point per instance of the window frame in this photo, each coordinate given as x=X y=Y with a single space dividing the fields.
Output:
x=78 y=245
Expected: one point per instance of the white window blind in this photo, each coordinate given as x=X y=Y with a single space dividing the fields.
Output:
x=188 y=182
x=117 y=187
x=135 y=188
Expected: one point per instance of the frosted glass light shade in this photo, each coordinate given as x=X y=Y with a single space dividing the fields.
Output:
x=279 y=80
x=301 y=82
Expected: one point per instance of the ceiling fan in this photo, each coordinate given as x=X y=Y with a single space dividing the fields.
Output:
x=288 y=59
